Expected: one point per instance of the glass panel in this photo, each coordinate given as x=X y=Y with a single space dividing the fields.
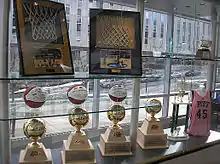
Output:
x=188 y=32
x=153 y=71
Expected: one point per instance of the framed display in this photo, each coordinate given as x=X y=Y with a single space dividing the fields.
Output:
x=115 y=42
x=43 y=40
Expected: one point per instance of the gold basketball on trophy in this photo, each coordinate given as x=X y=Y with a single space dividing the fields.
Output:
x=153 y=106
x=34 y=129
x=78 y=118
x=116 y=114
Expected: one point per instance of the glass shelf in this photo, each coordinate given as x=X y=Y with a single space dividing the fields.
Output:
x=86 y=76
x=31 y=113
x=181 y=57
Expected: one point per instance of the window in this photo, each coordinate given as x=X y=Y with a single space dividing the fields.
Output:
x=178 y=32
x=209 y=31
x=67 y=9
x=198 y=31
x=78 y=27
x=203 y=30
x=79 y=3
x=146 y=29
x=189 y=36
x=79 y=12
x=67 y=23
x=78 y=19
x=184 y=32
x=162 y=25
x=14 y=21
x=154 y=24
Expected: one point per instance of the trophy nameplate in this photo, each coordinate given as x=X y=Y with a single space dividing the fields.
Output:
x=35 y=155
x=114 y=143
x=150 y=135
x=78 y=149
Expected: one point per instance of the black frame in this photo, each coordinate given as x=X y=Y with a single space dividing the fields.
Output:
x=136 y=61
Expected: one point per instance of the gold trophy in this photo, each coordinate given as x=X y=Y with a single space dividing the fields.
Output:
x=181 y=93
x=35 y=152
x=181 y=90
x=150 y=135
x=113 y=142
x=78 y=148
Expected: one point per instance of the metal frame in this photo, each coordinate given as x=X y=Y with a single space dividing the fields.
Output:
x=5 y=148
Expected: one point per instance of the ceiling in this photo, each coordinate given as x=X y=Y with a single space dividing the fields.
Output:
x=192 y=8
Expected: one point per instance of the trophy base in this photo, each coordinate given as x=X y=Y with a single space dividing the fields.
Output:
x=114 y=147
x=151 y=141
x=182 y=136
x=78 y=156
x=35 y=155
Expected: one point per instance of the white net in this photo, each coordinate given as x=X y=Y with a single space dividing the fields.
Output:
x=42 y=20
x=113 y=35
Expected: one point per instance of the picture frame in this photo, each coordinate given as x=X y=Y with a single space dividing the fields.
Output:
x=115 y=42
x=43 y=40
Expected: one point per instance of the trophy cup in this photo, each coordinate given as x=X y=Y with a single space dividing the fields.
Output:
x=35 y=153
x=78 y=148
x=150 y=135
x=203 y=51
x=114 y=142
x=181 y=90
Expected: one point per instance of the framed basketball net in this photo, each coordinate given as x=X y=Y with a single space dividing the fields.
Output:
x=115 y=44
x=43 y=39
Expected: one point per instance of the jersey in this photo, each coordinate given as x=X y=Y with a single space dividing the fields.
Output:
x=200 y=115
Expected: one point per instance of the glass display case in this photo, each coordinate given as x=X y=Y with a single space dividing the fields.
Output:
x=168 y=63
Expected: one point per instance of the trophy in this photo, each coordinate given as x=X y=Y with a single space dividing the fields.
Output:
x=35 y=152
x=181 y=93
x=78 y=148
x=150 y=135
x=34 y=129
x=114 y=142
x=181 y=90
x=203 y=51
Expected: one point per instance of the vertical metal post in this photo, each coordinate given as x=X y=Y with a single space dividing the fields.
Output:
x=136 y=87
x=5 y=148
x=213 y=50
x=167 y=70
x=216 y=49
x=96 y=92
x=95 y=105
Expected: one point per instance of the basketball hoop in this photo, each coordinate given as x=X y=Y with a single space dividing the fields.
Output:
x=42 y=20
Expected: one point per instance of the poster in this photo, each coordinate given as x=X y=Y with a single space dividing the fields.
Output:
x=115 y=42
x=43 y=39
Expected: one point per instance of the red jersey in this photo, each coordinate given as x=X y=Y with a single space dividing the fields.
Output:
x=200 y=116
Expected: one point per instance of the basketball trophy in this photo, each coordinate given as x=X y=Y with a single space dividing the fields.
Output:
x=150 y=135
x=114 y=142
x=34 y=129
x=78 y=148
x=35 y=152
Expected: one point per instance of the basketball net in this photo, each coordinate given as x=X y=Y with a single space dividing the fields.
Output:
x=42 y=20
